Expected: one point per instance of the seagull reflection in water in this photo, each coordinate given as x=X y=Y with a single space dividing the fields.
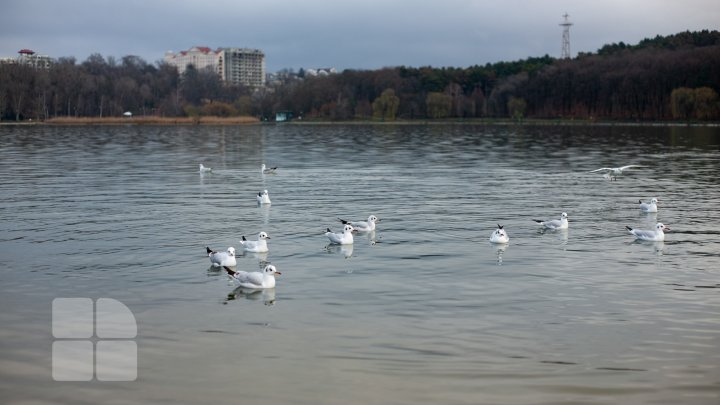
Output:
x=371 y=237
x=262 y=257
x=500 y=249
x=657 y=246
x=267 y=296
x=345 y=250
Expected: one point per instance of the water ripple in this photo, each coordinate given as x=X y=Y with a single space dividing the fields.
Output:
x=424 y=311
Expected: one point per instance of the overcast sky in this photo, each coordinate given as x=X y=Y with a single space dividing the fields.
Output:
x=345 y=34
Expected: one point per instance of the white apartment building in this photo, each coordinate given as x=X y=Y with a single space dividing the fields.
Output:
x=242 y=65
x=233 y=65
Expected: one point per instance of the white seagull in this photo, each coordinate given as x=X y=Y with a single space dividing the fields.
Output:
x=362 y=226
x=344 y=238
x=561 y=223
x=612 y=172
x=204 y=169
x=255 y=280
x=222 y=258
x=649 y=207
x=499 y=236
x=657 y=235
x=267 y=170
x=263 y=197
x=257 y=246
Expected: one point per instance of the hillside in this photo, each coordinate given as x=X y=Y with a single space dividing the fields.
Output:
x=619 y=82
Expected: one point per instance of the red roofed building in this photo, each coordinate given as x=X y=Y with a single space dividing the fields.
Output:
x=198 y=56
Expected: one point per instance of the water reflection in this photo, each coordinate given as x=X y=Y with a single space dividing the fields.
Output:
x=214 y=271
x=659 y=246
x=345 y=250
x=267 y=296
x=262 y=258
x=561 y=234
x=650 y=216
x=370 y=237
x=656 y=246
x=265 y=212
x=500 y=249
x=120 y=190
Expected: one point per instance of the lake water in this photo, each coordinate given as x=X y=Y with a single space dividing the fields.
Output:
x=425 y=310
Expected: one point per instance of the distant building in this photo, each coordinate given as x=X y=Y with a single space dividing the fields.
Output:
x=320 y=72
x=233 y=65
x=242 y=66
x=28 y=57
x=199 y=56
x=289 y=75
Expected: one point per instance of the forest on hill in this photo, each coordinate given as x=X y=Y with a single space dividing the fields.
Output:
x=674 y=77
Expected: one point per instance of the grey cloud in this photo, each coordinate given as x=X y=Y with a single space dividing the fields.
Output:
x=343 y=34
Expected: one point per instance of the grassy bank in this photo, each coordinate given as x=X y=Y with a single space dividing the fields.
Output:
x=509 y=122
x=252 y=120
x=151 y=121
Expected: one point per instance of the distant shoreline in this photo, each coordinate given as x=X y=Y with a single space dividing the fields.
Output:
x=139 y=121
x=508 y=122
x=245 y=120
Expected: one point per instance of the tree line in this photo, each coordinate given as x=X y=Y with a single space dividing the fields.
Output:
x=662 y=78
x=100 y=87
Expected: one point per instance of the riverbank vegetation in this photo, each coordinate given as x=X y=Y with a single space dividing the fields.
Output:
x=664 y=78
x=153 y=120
